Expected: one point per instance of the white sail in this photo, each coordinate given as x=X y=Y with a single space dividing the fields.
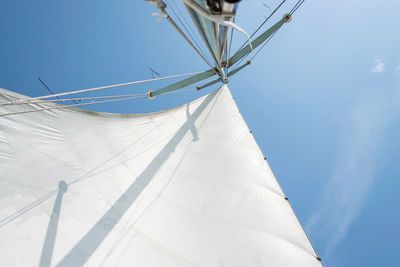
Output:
x=182 y=187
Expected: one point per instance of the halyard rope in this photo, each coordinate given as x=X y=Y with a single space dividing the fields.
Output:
x=29 y=100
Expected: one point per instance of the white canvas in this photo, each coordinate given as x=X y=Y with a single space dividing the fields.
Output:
x=182 y=187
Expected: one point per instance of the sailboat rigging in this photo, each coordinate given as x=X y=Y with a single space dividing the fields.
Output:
x=187 y=186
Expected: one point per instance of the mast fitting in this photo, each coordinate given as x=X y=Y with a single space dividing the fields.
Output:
x=288 y=17
x=150 y=94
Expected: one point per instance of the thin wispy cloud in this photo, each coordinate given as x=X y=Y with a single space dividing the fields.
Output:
x=349 y=185
x=379 y=65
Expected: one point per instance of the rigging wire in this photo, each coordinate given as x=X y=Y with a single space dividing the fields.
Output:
x=48 y=89
x=95 y=89
x=69 y=106
x=89 y=103
x=51 y=91
x=230 y=41
x=161 y=7
x=251 y=59
x=298 y=4
x=172 y=22
x=265 y=21
x=265 y=43
x=75 y=99
x=294 y=9
x=184 y=26
x=194 y=36
x=37 y=99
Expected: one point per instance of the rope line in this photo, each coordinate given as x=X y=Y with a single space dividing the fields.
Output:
x=194 y=36
x=184 y=26
x=95 y=89
x=172 y=22
x=298 y=4
x=48 y=89
x=161 y=7
x=265 y=21
x=265 y=43
x=69 y=106
x=90 y=103
x=294 y=9
x=74 y=99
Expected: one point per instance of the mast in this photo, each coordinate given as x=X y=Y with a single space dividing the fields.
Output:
x=242 y=53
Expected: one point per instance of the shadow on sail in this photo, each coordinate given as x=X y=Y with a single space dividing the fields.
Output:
x=191 y=124
x=81 y=252
x=48 y=245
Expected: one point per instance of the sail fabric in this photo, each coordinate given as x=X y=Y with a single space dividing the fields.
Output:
x=181 y=187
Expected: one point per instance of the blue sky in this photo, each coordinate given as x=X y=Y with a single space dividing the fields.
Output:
x=322 y=98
